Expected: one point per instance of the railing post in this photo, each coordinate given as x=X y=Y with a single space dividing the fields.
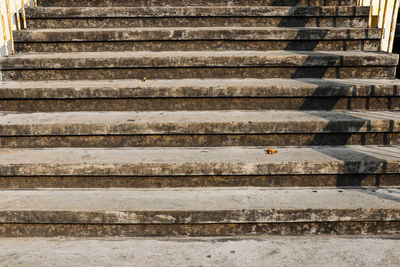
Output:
x=10 y=26
x=383 y=15
x=3 y=24
x=23 y=13
x=393 y=25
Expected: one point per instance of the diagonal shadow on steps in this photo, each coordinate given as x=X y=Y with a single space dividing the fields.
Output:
x=375 y=163
x=318 y=138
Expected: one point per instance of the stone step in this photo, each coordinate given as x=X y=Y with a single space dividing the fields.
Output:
x=197 y=94
x=349 y=166
x=206 y=16
x=199 y=38
x=199 y=128
x=120 y=3
x=180 y=161
x=202 y=11
x=268 y=250
x=198 y=64
x=199 y=212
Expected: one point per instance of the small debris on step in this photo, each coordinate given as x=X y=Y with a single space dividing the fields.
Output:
x=271 y=151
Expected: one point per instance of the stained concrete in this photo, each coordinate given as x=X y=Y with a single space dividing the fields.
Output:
x=174 y=59
x=203 y=21
x=197 y=122
x=240 y=251
x=200 y=103
x=197 y=33
x=273 y=181
x=197 y=72
x=199 y=206
x=200 y=45
x=199 y=161
x=195 y=11
x=202 y=140
x=364 y=228
x=120 y=3
x=201 y=211
x=185 y=88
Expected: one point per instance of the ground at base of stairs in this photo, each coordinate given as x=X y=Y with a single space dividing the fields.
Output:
x=239 y=251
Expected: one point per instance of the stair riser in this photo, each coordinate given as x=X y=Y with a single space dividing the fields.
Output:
x=116 y=3
x=197 y=34
x=180 y=104
x=350 y=180
x=193 y=140
x=151 y=230
x=200 y=72
x=48 y=23
x=333 y=45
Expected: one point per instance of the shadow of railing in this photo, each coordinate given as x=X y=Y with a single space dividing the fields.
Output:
x=376 y=165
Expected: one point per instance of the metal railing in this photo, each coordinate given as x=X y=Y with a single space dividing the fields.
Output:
x=12 y=18
x=383 y=15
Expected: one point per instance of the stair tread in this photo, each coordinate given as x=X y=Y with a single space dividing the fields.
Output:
x=197 y=122
x=197 y=33
x=128 y=59
x=199 y=161
x=199 y=205
x=65 y=89
x=197 y=11
x=211 y=251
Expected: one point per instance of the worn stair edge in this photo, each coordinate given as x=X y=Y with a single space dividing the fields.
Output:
x=140 y=22
x=197 y=122
x=119 y=3
x=272 y=181
x=198 y=45
x=168 y=59
x=209 y=230
x=198 y=33
x=201 y=72
x=187 y=88
x=199 y=206
x=199 y=161
x=197 y=11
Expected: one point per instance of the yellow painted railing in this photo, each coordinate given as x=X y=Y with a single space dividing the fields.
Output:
x=383 y=14
x=12 y=18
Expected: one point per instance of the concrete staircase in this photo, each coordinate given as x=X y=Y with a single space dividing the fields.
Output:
x=153 y=118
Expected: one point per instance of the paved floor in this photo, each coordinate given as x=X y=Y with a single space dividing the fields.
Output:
x=245 y=251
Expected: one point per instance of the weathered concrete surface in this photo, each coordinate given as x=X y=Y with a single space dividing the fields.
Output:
x=185 y=88
x=199 y=206
x=197 y=122
x=174 y=59
x=199 y=161
x=199 y=94
x=196 y=11
x=201 y=230
x=202 y=21
x=329 y=180
x=239 y=251
x=196 y=33
x=200 y=45
x=200 y=103
x=116 y=3
x=202 y=140
x=192 y=72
